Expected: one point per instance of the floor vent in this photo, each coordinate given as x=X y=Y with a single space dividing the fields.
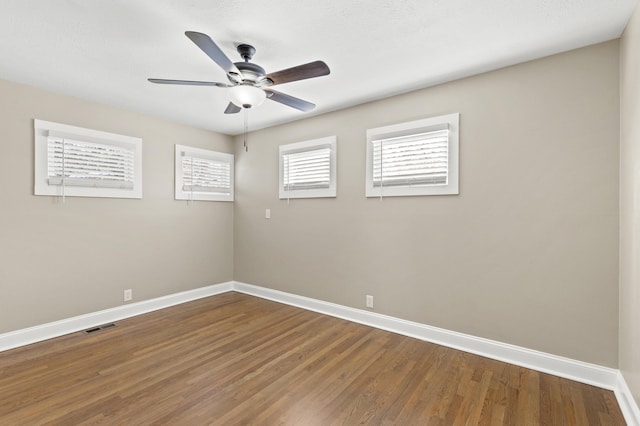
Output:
x=98 y=328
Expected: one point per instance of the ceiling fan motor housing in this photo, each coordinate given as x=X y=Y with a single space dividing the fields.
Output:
x=250 y=72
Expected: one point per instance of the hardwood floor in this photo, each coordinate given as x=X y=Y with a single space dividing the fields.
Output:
x=236 y=359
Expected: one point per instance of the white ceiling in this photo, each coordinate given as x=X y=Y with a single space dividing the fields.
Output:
x=104 y=50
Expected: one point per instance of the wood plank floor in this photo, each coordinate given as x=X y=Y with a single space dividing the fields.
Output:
x=234 y=359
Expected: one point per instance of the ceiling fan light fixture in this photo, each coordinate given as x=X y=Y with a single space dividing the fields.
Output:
x=246 y=96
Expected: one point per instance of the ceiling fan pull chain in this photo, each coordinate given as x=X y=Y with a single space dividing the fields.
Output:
x=246 y=129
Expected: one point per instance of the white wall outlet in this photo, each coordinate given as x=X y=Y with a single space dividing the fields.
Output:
x=128 y=295
x=369 y=301
x=267 y=214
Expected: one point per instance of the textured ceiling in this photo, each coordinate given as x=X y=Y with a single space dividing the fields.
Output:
x=104 y=50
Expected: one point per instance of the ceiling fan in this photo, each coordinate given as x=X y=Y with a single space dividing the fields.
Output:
x=249 y=85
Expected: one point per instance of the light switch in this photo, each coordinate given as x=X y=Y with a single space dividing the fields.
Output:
x=267 y=214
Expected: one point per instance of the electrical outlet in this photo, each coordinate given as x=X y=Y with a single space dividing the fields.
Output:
x=369 y=301
x=128 y=295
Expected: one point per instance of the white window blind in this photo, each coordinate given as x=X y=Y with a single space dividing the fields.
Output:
x=206 y=175
x=73 y=161
x=80 y=163
x=308 y=169
x=203 y=175
x=414 y=158
x=418 y=159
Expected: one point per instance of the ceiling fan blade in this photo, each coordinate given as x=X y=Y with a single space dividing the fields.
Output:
x=289 y=100
x=212 y=50
x=301 y=72
x=188 y=82
x=232 y=108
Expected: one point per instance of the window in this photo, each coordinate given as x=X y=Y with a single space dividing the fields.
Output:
x=203 y=175
x=77 y=162
x=414 y=158
x=308 y=169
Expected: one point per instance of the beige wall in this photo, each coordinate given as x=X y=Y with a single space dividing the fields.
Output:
x=61 y=260
x=630 y=205
x=526 y=254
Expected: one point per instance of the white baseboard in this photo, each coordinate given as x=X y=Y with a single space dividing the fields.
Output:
x=50 y=330
x=607 y=378
x=564 y=367
x=627 y=403
x=592 y=374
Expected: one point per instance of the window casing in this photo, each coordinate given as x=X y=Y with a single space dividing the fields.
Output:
x=308 y=169
x=414 y=158
x=203 y=175
x=77 y=162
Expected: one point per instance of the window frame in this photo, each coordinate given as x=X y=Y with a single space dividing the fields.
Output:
x=44 y=129
x=308 y=146
x=181 y=194
x=450 y=121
